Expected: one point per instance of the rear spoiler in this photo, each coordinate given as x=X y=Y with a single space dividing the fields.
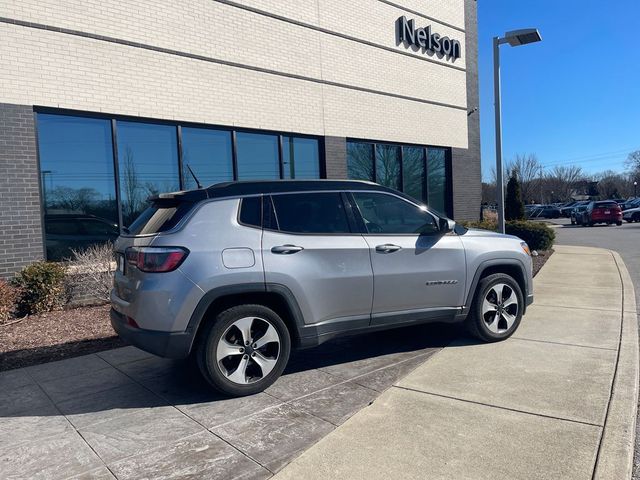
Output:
x=172 y=199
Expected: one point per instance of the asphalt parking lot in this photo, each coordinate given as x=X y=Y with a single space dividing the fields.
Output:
x=625 y=240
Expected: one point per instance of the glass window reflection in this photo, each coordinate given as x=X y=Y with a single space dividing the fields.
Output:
x=360 y=161
x=388 y=166
x=437 y=188
x=413 y=173
x=208 y=153
x=148 y=163
x=258 y=156
x=78 y=182
x=300 y=157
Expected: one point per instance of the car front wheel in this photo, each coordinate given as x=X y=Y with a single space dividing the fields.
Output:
x=244 y=350
x=497 y=308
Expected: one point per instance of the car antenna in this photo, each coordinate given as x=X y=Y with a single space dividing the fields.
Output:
x=198 y=184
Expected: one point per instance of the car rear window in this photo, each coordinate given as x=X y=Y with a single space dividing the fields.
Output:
x=157 y=218
x=606 y=205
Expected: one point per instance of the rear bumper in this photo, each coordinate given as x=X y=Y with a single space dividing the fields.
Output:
x=164 y=344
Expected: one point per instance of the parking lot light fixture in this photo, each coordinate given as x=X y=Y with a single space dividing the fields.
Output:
x=515 y=38
x=635 y=188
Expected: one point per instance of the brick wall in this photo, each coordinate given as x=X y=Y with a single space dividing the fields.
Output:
x=20 y=220
x=467 y=175
x=335 y=149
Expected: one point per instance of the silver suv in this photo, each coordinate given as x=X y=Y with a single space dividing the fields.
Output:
x=239 y=273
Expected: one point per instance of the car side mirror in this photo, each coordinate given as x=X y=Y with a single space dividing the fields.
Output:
x=446 y=225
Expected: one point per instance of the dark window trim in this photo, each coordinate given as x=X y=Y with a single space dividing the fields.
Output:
x=116 y=170
x=248 y=225
x=40 y=189
x=181 y=181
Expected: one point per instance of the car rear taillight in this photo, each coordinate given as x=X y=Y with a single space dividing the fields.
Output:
x=156 y=259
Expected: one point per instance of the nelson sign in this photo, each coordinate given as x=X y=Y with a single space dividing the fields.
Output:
x=426 y=40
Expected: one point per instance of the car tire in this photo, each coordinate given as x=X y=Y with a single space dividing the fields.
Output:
x=226 y=334
x=618 y=223
x=487 y=326
x=636 y=217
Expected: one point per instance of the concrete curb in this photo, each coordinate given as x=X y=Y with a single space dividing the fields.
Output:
x=615 y=455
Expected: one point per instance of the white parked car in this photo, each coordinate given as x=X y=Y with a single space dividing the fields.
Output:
x=631 y=215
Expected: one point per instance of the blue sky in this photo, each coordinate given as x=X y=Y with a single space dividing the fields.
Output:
x=574 y=98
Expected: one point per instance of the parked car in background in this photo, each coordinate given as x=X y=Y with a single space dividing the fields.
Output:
x=630 y=203
x=631 y=215
x=543 y=211
x=76 y=231
x=576 y=213
x=567 y=209
x=604 y=211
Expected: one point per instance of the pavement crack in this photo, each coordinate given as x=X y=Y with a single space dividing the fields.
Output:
x=499 y=407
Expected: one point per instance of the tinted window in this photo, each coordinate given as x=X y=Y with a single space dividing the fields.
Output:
x=157 y=218
x=437 y=175
x=148 y=161
x=62 y=227
x=251 y=211
x=384 y=213
x=98 y=228
x=360 y=161
x=77 y=175
x=208 y=153
x=388 y=166
x=605 y=205
x=300 y=157
x=258 y=156
x=311 y=213
x=413 y=173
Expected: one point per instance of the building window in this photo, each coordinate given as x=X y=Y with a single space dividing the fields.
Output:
x=388 y=166
x=421 y=172
x=360 y=161
x=300 y=157
x=148 y=164
x=78 y=182
x=209 y=155
x=437 y=185
x=258 y=156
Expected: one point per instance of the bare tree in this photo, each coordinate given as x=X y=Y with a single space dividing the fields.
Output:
x=529 y=172
x=562 y=180
x=633 y=164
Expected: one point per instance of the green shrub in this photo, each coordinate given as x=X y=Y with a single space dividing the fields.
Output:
x=8 y=298
x=538 y=236
x=41 y=286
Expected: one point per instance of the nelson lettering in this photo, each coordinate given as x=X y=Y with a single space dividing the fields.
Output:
x=427 y=40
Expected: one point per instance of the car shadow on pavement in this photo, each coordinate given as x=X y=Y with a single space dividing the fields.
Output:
x=88 y=388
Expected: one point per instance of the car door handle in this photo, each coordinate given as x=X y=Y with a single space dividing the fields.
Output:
x=286 y=249
x=388 y=248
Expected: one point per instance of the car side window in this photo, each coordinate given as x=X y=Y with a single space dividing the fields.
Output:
x=388 y=214
x=315 y=213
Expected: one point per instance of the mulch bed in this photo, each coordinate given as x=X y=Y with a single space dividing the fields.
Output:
x=56 y=335
x=540 y=260
x=79 y=331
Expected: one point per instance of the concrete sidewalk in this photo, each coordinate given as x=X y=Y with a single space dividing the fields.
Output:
x=556 y=401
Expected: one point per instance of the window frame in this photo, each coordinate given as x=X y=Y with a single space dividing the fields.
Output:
x=114 y=119
x=448 y=185
x=362 y=224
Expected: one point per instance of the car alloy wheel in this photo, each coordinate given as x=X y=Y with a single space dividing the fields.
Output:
x=500 y=308
x=248 y=350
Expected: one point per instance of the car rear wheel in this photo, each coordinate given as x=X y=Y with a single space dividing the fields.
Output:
x=244 y=350
x=619 y=223
x=636 y=217
x=497 y=308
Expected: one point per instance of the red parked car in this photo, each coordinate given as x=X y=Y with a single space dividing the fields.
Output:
x=605 y=211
